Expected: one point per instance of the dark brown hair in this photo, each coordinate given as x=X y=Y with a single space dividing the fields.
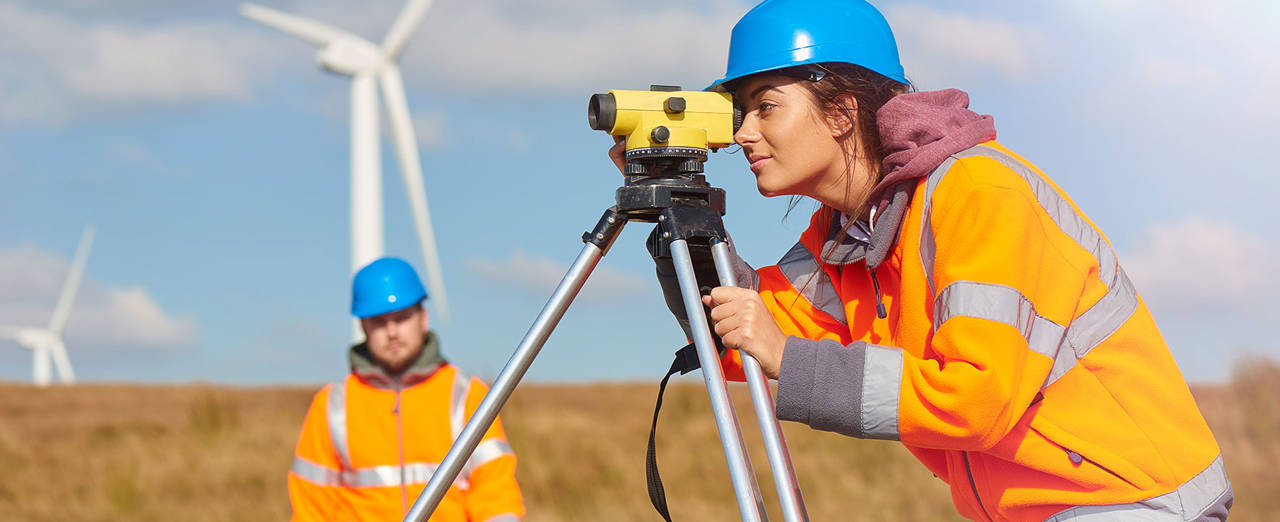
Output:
x=828 y=83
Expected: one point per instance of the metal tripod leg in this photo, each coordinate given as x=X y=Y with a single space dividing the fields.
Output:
x=735 y=452
x=746 y=491
x=516 y=367
x=784 y=475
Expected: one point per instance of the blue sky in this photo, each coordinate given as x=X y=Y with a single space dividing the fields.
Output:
x=211 y=154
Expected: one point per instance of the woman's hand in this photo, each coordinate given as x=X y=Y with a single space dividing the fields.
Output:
x=740 y=318
x=617 y=150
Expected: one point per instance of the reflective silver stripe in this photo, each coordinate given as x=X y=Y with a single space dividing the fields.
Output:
x=387 y=476
x=807 y=277
x=881 y=386
x=505 y=517
x=315 y=473
x=458 y=419
x=458 y=407
x=928 y=248
x=1206 y=493
x=487 y=452
x=1105 y=316
x=1096 y=324
x=1002 y=304
x=338 y=422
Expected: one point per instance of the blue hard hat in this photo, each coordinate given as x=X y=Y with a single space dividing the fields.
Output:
x=383 y=286
x=785 y=33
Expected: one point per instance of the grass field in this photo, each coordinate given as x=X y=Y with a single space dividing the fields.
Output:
x=203 y=453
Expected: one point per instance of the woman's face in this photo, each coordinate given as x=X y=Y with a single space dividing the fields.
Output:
x=792 y=146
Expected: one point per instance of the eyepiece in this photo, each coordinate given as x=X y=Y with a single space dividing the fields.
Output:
x=602 y=112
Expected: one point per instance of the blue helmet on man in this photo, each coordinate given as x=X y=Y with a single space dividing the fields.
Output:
x=383 y=286
x=777 y=34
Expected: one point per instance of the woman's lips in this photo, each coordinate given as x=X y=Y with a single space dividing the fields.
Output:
x=756 y=163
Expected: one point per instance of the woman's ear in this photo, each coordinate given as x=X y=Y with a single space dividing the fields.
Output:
x=841 y=115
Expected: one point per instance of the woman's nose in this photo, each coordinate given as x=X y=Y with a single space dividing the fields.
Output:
x=747 y=133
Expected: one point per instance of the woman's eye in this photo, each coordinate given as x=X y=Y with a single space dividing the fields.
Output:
x=766 y=107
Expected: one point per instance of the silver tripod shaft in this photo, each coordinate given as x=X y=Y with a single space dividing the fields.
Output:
x=784 y=475
x=505 y=383
x=735 y=451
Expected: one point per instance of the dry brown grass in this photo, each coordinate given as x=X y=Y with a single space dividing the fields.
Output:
x=210 y=453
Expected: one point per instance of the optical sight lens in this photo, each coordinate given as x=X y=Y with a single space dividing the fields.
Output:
x=602 y=112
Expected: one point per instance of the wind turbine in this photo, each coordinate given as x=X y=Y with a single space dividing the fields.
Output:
x=369 y=64
x=46 y=343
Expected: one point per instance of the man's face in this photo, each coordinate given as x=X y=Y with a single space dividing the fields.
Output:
x=395 y=338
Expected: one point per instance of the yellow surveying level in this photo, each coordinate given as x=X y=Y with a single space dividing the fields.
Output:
x=665 y=122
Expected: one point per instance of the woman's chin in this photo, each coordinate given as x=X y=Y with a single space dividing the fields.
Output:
x=771 y=191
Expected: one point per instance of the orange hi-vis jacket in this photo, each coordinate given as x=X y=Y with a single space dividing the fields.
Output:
x=370 y=444
x=1016 y=359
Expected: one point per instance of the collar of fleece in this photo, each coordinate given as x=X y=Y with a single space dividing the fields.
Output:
x=918 y=131
x=428 y=362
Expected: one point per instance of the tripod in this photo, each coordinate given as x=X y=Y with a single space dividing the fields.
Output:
x=688 y=212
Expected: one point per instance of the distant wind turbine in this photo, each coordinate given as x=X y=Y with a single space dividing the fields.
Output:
x=345 y=53
x=46 y=343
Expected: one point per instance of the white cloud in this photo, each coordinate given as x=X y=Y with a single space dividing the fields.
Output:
x=542 y=275
x=54 y=67
x=61 y=61
x=1199 y=265
x=940 y=48
x=102 y=317
x=128 y=318
x=1175 y=60
x=517 y=47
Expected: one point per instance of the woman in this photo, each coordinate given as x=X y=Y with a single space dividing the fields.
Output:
x=947 y=294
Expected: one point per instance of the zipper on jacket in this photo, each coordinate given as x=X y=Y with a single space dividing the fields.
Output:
x=973 y=484
x=404 y=492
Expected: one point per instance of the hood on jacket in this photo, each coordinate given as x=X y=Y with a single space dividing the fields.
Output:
x=918 y=131
x=366 y=369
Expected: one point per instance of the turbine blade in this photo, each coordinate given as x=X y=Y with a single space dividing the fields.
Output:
x=310 y=30
x=72 y=284
x=410 y=16
x=10 y=332
x=411 y=171
x=60 y=361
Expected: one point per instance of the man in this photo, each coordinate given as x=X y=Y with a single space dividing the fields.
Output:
x=371 y=442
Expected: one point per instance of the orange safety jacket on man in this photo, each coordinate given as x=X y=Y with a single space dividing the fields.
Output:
x=371 y=442
x=1015 y=360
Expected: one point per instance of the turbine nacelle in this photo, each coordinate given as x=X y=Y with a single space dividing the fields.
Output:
x=351 y=56
x=31 y=338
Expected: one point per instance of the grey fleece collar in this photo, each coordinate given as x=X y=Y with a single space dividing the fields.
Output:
x=428 y=362
x=842 y=249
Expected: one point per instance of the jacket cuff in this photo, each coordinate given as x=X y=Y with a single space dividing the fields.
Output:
x=820 y=384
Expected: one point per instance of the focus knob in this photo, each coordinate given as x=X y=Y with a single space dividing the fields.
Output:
x=660 y=134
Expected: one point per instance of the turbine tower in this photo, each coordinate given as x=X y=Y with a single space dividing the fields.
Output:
x=370 y=65
x=46 y=343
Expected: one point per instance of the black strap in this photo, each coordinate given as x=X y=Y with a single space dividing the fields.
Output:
x=686 y=361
